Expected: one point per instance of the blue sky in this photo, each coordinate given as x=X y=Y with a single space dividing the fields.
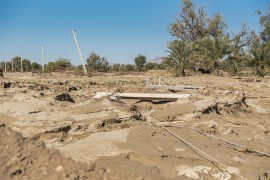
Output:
x=116 y=29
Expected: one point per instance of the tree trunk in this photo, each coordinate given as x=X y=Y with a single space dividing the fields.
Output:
x=182 y=73
x=1 y=72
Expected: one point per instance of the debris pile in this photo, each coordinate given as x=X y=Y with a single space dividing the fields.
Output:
x=64 y=97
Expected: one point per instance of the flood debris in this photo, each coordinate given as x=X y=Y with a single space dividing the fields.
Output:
x=224 y=115
x=172 y=88
x=34 y=112
x=138 y=117
x=6 y=85
x=64 y=97
x=161 y=85
x=64 y=129
x=143 y=96
x=232 y=103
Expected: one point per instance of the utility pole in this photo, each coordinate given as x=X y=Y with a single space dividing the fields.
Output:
x=42 y=54
x=73 y=31
x=12 y=65
x=5 y=66
x=21 y=64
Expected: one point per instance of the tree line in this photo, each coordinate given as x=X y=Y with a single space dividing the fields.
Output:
x=94 y=63
x=15 y=65
x=202 y=43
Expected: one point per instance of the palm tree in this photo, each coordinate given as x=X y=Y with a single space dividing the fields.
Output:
x=213 y=50
x=259 y=50
x=260 y=58
x=179 y=57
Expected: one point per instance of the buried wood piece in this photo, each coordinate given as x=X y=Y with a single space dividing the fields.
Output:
x=143 y=96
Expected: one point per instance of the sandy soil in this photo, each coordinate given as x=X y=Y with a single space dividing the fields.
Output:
x=228 y=119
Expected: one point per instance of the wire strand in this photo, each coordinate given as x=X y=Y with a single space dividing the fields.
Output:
x=186 y=142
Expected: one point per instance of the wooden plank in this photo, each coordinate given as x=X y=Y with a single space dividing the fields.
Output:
x=143 y=96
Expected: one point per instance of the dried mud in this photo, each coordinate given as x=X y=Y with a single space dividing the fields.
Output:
x=83 y=138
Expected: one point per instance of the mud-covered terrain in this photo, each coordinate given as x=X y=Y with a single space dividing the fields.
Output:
x=52 y=128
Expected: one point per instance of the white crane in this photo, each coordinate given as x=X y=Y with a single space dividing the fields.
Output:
x=73 y=31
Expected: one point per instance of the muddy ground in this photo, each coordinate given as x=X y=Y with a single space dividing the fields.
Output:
x=52 y=128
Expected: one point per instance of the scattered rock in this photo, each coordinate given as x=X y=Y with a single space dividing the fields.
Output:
x=92 y=83
x=212 y=124
x=16 y=172
x=73 y=88
x=64 y=97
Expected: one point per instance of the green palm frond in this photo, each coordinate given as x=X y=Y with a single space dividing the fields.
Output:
x=179 y=57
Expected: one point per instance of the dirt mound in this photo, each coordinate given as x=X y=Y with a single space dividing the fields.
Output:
x=29 y=159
